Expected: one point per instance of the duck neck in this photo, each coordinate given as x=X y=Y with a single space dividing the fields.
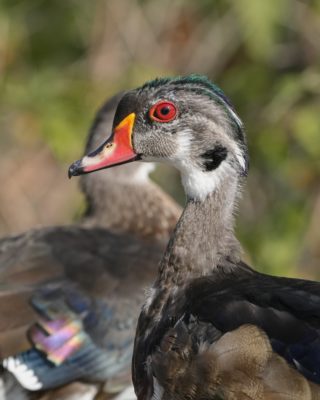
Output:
x=139 y=208
x=204 y=237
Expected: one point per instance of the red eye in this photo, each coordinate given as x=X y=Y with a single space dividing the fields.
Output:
x=163 y=111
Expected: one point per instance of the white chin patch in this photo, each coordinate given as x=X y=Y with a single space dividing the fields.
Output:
x=25 y=376
x=199 y=184
x=143 y=172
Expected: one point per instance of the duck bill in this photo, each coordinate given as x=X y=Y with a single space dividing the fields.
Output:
x=116 y=150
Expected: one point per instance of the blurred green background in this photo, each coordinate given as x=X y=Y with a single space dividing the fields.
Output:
x=59 y=60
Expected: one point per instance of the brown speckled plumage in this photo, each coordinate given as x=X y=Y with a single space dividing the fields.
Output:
x=240 y=365
x=111 y=257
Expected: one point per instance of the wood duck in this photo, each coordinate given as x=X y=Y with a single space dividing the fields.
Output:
x=211 y=327
x=71 y=295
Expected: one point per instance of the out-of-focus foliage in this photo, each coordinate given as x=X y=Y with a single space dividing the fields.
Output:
x=60 y=59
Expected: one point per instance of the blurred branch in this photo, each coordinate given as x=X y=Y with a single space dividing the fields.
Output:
x=128 y=32
x=213 y=45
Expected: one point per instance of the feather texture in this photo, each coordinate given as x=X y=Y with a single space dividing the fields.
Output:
x=76 y=293
x=71 y=317
x=70 y=295
x=240 y=364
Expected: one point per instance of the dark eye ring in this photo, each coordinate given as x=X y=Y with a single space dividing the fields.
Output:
x=163 y=111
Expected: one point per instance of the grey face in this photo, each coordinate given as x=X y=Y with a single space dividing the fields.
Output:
x=151 y=139
x=205 y=132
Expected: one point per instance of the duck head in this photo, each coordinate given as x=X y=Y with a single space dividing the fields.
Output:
x=98 y=132
x=187 y=122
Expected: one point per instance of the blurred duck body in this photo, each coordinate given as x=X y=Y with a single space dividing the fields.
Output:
x=70 y=295
x=212 y=327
